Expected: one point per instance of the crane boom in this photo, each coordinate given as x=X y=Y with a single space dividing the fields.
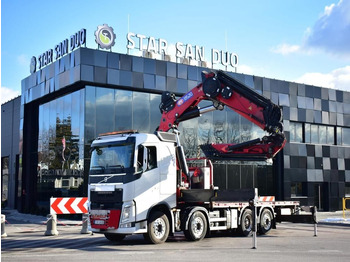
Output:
x=223 y=90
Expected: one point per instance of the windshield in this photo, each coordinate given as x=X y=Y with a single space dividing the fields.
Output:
x=112 y=159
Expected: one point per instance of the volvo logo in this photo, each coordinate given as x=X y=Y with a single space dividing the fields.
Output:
x=104 y=36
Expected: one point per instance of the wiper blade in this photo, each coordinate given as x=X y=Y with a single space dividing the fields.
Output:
x=100 y=167
x=116 y=166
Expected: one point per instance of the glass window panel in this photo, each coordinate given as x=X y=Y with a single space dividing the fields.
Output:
x=296 y=132
x=233 y=129
x=314 y=134
x=104 y=110
x=75 y=113
x=339 y=136
x=322 y=134
x=75 y=131
x=40 y=134
x=5 y=166
x=46 y=126
x=53 y=116
x=205 y=125
x=346 y=136
x=123 y=110
x=246 y=130
x=307 y=133
x=299 y=132
x=330 y=135
x=219 y=126
x=58 y=157
x=90 y=113
x=154 y=111
x=189 y=138
x=141 y=112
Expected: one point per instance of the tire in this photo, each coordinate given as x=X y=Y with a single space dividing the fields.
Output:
x=197 y=227
x=157 y=228
x=246 y=226
x=266 y=219
x=115 y=237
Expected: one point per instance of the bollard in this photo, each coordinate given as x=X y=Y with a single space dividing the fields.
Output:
x=84 y=229
x=255 y=243
x=3 y=232
x=315 y=230
x=51 y=229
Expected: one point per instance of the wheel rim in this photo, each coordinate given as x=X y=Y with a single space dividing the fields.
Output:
x=197 y=227
x=247 y=223
x=159 y=228
x=266 y=221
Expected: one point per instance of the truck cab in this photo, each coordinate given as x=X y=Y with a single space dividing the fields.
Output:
x=131 y=175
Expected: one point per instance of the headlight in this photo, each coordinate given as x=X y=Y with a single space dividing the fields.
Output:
x=126 y=213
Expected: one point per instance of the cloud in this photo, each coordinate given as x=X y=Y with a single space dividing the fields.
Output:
x=336 y=79
x=331 y=32
x=7 y=94
x=285 y=49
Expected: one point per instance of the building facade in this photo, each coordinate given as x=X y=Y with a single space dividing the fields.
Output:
x=68 y=103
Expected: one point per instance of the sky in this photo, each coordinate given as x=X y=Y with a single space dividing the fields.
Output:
x=303 y=41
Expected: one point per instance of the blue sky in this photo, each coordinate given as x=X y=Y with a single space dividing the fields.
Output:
x=305 y=41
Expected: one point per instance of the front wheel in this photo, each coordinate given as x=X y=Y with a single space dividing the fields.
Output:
x=197 y=227
x=158 y=228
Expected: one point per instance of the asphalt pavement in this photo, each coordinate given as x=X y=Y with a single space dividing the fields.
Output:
x=13 y=219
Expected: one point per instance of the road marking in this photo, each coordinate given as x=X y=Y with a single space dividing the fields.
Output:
x=325 y=251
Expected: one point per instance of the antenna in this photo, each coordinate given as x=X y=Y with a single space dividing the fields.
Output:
x=128 y=30
x=225 y=46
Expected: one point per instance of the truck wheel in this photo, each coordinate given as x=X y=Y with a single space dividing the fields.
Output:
x=115 y=237
x=158 y=228
x=266 y=218
x=197 y=227
x=246 y=225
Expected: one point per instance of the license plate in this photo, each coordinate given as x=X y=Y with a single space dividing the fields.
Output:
x=99 y=222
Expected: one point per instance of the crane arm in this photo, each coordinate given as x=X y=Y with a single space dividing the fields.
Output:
x=224 y=90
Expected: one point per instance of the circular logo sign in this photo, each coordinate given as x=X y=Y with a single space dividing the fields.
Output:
x=104 y=36
x=33 y=65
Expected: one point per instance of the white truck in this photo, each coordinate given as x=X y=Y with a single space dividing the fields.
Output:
x=142 y=183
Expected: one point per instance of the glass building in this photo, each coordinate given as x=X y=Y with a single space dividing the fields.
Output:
x=68 y=103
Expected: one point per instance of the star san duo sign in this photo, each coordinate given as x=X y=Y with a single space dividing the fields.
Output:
x=105 y=38
x=67 y=45
x=188 y=51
